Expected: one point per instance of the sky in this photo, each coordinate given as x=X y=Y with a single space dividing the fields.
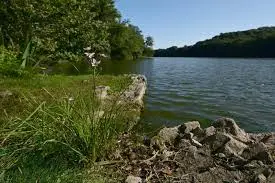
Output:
x=185 y=22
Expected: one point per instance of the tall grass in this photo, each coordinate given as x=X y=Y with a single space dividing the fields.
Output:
x=73 y=129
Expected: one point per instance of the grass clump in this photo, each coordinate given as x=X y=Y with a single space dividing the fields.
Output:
x=57 y=126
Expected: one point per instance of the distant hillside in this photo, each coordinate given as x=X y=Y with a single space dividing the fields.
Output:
x=251 y=43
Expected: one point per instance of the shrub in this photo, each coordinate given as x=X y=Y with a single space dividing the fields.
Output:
x=10 y=64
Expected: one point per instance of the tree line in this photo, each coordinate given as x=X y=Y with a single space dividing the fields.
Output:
x=251 y=44
x=47 y=31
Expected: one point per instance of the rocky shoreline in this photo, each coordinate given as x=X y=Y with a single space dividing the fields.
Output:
x=222 y=152
x=187 y=153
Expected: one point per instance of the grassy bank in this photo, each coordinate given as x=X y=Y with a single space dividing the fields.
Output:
x=54 y=129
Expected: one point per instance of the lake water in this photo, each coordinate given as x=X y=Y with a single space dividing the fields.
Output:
x=203 y=89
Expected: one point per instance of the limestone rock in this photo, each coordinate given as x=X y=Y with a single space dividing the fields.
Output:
x=102 y=91
x=189 y=126
x=260 y=179
x=258 y=151
x=268 y=172
x=233 y=147
x=266 y=138
x=224 y=143
x=157 y=143
x=136 y=90
x=132 y=179
x=216 y=141
x=209 y=131
x=169 y=135
x=228 y=125
x=184 y=143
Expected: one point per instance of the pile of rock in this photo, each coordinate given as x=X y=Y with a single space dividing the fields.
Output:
x=134 y=94
x=130 y=100
x=136 y=90
x=220 y=153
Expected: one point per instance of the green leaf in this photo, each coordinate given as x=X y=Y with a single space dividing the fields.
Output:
x=26 y=55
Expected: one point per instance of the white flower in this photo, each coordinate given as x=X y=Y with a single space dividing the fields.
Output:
x=89 y=55
x=71 y=99
x=103 y=55
x=91 y=58
x=88 y=48
x=94 y=62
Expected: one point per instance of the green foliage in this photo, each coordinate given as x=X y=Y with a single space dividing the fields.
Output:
x=9 y=64
x=52 y=126
x=148 y=52
x=73 y=128
x=251 y=43
x=127 y=42
x=149 y=41
x=60 y=28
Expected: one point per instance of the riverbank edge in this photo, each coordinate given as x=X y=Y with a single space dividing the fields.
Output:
x=222 y=152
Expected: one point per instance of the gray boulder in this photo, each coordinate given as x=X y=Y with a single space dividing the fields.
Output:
x=169 y=135
x=216 y=141
x=136 y=90
x=189 y=126
x=224 y=143
x=233 y=147
x=209 y=131
x=266 y=138
x=228 y=125
x=260 y=179
x=258 y=151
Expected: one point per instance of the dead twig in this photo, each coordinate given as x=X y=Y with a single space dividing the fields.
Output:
x=147 y=161
x=103 y=163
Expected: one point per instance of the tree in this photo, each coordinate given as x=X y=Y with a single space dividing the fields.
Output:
x=60 y=29
x=126 y=41
x=251 y=43
x=149 y=41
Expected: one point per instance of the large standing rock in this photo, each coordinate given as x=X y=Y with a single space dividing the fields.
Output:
x=228 y=125
x=224 y=143
x=216 y=141
x=136 y=90
x=189 y=126
x=233 y=147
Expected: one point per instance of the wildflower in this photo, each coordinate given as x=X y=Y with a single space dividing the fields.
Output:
x=103 y=55
x=71 y=99
x=87 y=49
x=92 y=57
x=89 y=55
x=94 y=62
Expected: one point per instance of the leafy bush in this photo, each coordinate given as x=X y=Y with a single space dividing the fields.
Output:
x=10 y=64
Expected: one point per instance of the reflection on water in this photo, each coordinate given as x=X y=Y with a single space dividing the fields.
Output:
x=182 y=89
